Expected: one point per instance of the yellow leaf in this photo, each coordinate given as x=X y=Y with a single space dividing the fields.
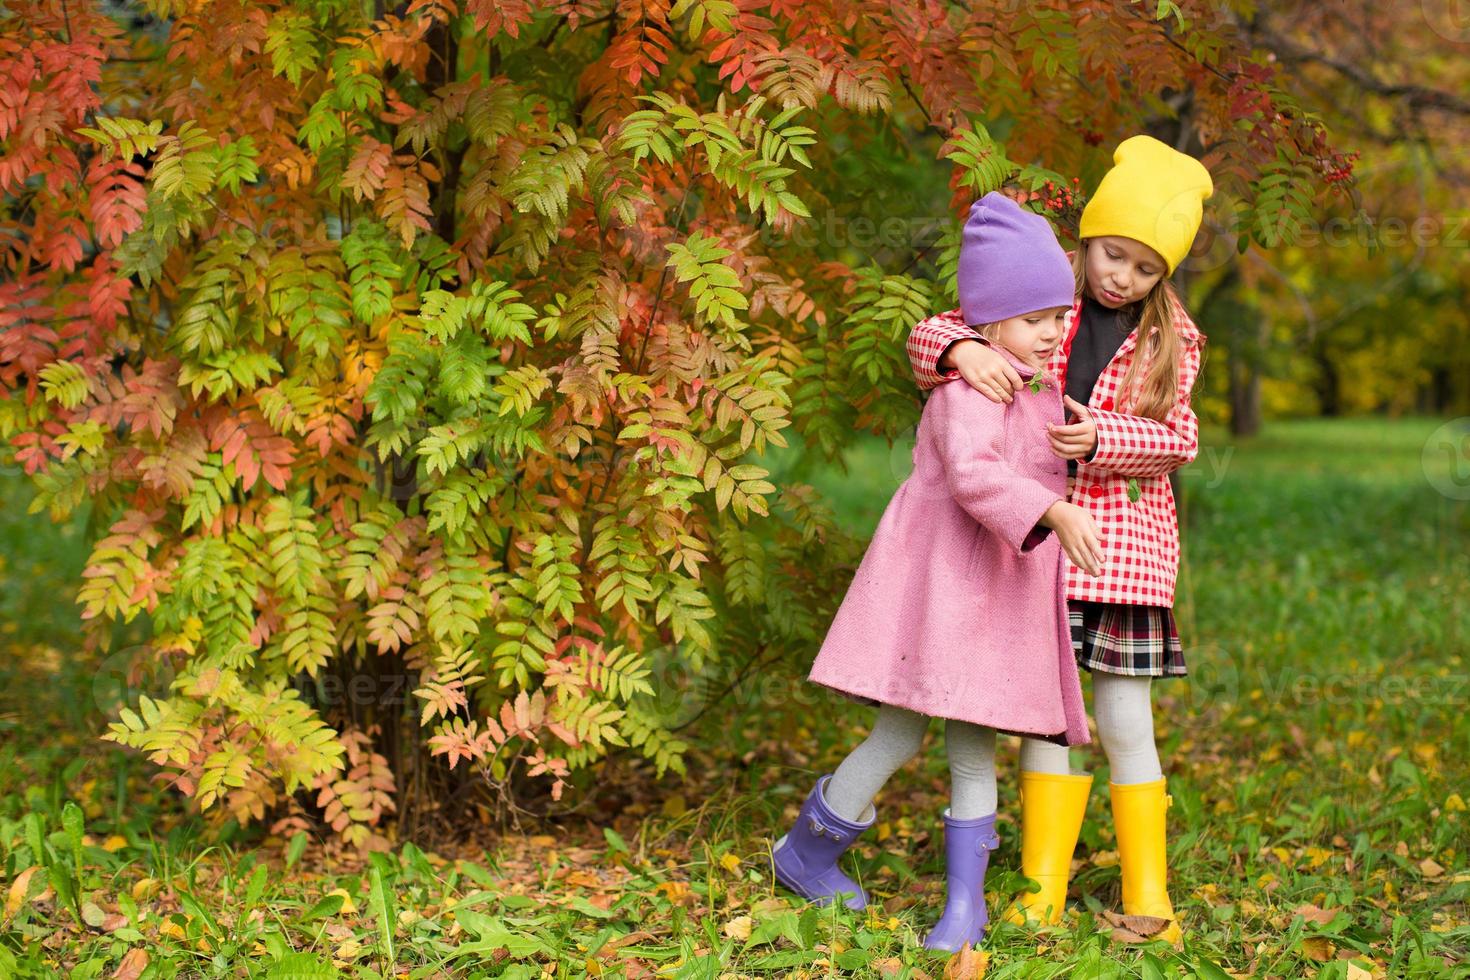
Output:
x=144 y=888
x=738 y=928
x=17 y=895
x=674 y=806
x=1317 y=856
x=729 y=862
x=114 y=843
x=1105 y=859
x=349 y=907
x=1454 y=803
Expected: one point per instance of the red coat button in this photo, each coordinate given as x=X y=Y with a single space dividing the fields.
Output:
x=1095 y=490
x=1106 y=405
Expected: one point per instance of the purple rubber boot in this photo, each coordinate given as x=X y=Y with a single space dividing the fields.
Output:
x=805 y=858
x=967 y=847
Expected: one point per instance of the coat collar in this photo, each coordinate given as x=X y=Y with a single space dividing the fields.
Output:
x=1026 y=371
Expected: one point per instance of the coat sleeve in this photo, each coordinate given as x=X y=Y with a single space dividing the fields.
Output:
x=1129 y=445
x=970 y=433
x=929 y=339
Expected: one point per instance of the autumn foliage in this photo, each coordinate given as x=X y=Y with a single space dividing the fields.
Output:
x=445 y=341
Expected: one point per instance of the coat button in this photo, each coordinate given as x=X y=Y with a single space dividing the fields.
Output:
x=1095 y=490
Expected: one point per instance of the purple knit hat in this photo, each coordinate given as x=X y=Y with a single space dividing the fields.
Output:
x=1010 y=263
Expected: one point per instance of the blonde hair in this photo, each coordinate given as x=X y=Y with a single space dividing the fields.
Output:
x=1151 y=384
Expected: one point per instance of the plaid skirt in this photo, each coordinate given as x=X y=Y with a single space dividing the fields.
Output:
x=1121 y=638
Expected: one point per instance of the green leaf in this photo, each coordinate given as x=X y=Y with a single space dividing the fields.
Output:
x=291 y=44
x=327 y=906
x=380 y=897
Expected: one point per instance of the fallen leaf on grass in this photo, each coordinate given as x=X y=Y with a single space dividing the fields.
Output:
x=349 y=907
x=17 y=895
x=1314 y=914
x=134 y=962
x=1318 y=948
x=1105 y=859
x=617 y=943
x=889 y=967
x=739 y=928
x=1134 y=928
x=967 y=964
x=1431 y=868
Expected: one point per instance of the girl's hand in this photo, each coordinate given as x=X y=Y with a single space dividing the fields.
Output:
x=1078 y=534
x=1075 y=441
x=984 y=370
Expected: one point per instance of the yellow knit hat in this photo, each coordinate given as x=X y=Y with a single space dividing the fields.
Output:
x=1154 y=194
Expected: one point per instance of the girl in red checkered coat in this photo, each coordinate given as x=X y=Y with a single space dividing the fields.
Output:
x=1128 y=364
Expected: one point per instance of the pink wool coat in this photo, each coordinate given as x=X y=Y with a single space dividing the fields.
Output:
x=958 y=608
x=1125 y=485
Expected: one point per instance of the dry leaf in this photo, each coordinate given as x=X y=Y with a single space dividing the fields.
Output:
x=1141 y=928
x=1431 y=868
x=17 y=895
x=1356 y=972
x=739 y=928
x=1314 y=914
x=613 y=945
x=889 y=967
x=1105 y=859
x=1318 y=948
x=967 y=964
x=132 y=966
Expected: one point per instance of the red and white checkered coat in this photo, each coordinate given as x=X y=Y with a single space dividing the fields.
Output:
x=1140 y=538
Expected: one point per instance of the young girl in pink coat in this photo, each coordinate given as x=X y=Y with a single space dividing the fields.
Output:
x=1127 y=366
x=957 y=609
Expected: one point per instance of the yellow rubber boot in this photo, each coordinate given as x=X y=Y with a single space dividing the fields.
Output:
x=1052 y=806
x=1139 y=821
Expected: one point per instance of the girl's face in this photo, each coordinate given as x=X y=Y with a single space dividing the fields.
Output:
x=1033 y=336
x=1121 y=270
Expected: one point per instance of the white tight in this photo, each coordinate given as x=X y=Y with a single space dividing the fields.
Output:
x=898 y=736
x=1123 y=708
x=1122 y=705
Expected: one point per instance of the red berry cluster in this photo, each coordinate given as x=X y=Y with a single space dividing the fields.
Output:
x=1059 y=197
x=1339 y=168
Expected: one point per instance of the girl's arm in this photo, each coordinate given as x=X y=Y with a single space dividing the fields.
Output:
x=985 y=371
x=1132 y=446
x=928 y=341
x=969 y=431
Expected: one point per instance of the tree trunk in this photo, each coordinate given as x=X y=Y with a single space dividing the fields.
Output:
x=1245 y=392
x=1329 y=381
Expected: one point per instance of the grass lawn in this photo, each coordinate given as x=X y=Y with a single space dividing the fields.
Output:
x=1317 y=756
